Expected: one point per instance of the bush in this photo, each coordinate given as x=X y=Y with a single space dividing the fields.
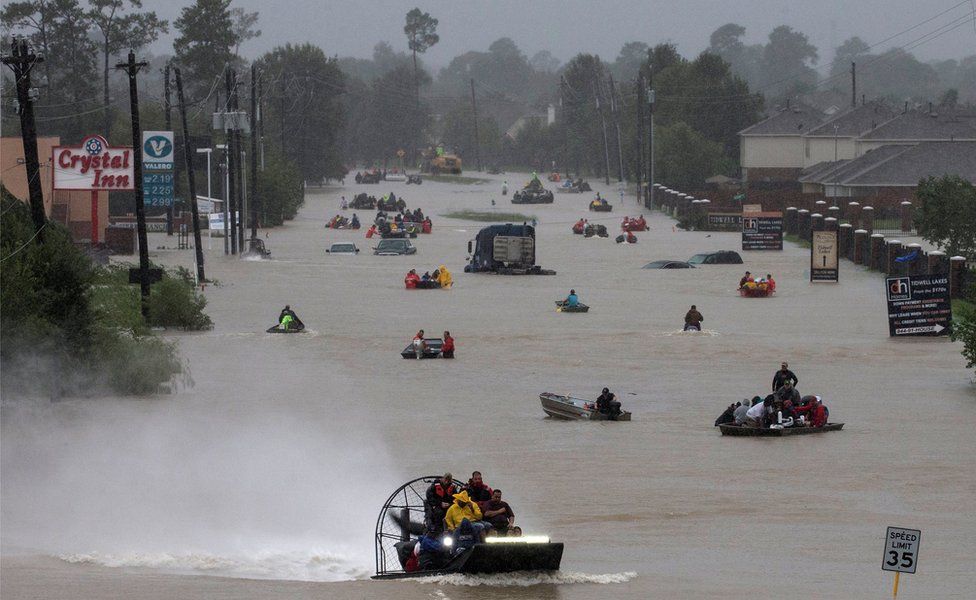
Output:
x=174 y=302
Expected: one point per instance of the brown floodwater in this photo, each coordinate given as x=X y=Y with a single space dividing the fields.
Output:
x=264 y=477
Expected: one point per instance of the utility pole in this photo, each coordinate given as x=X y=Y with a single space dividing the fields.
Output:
x=167 y=108
x=853 y=85
x=640 y=137
x=188 y=155
x=477 y=145
x=252 y=188
x=615 y=111
x=281 y=115
x=241 y=166
x=261 y=118
x=131 y=67
x=606 y=146
x=21 y=61
x=650 y=156
x=231 y=160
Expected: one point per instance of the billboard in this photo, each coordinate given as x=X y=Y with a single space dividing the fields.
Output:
x=918 y=305
x=93 y=166
x=824 y=256
x=157 y=168
x=762 y=231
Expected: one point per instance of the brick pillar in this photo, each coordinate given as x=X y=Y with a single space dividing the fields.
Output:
x=834 y=211
x=830 y=224
x=876 y=256
x=854 y=214
x=938 y=264
x=790 y=220
x=906 y=216
x=845 y=239
x=816 y=222
x=867 y=218
x=860 y=246
x=892 y=250
x=820 y=206
x=957 y=267
x=803 y=223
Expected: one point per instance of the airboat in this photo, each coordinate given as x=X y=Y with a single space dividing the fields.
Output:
x=401 y=523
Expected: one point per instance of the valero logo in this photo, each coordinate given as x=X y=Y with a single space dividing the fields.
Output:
x=157 y=146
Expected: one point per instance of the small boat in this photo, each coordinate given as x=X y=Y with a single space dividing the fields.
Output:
x=579 y=308
x=756 y=292
x=432 y=349
x=729 y=429
x=575 y=409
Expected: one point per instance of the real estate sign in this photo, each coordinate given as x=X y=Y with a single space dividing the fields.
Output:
x=918 y=305
x=824 y=256
x=762 y=231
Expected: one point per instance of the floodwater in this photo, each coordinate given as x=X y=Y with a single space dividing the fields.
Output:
x=264 y=478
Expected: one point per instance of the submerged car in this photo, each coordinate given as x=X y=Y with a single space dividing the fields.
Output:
x=343 y=249
x=722 y=257
x=668 y=264
x=394 y=247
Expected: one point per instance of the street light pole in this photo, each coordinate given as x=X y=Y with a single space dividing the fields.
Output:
x=650 y=181
x=208 y=152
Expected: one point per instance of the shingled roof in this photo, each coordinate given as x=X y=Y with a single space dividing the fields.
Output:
x=898 y=165
x=796 y=120
x=919 y=125
x=854 y=122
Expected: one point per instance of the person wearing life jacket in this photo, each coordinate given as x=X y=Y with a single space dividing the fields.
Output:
x=477 y=490
x=427 y=226
x=631 y=238
x=411 y=280
x=447 y=348
x=745 y=279
x=371 y=231
x=815 y=410
x=438 y=499
x=626 y=224
x=463 y=508
x=579 y=226
x=444 y=277
x=770 y=283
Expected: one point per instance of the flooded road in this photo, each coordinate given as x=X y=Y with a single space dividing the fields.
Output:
x=268 y=473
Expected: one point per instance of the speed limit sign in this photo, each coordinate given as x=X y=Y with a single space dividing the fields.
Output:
x=901 y=550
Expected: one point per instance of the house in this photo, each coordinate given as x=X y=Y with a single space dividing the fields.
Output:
x=891 y=172
x=837 y=138
x=70 y=208
x=772 y=150
x=520 y=123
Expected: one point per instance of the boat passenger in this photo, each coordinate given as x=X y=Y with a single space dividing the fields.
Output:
x=287 y=311
x=607 y=404
x=411 y=280
x=344 y=204
x=729 y=415
x=788 y=392
x=465 y=536
x=463 y=508
x=739 y=416
x=815 y=410
x=756 y=415
x=572 y=299
x=444 y=277
x=439 y=497
x=447 y=348
x=693 y=318
x=371 y=231
x=631 y=238
x=431 y=554
x=498 y=513
x=745 y=278
x=783 y=375
x=355 y=221
x=419 y=344
x=477 y=490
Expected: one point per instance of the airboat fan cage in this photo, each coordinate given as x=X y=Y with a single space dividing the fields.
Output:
x=403 y=511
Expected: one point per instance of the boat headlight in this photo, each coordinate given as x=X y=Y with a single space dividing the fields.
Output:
x=525 y=539
x=448 y=541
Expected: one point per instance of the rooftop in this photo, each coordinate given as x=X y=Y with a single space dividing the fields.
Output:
x=853 y=122
x=898 y=165
x=795 y=120
x=922 y=125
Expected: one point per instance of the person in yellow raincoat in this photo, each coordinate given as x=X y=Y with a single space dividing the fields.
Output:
x=463 y=508
x=444 y=277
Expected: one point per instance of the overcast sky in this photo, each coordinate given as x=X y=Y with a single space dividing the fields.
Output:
x=566 y=27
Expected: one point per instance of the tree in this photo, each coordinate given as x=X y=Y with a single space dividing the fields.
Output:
x=684 y=158
x=786 y=62
x=243 y=27
x=947 y=214
x=544 y=62
x=205 y=45
x=120 y=30
x=632 y=56
x=949 y=98
x=421 y=30
x=59 y=29
x=308 y=107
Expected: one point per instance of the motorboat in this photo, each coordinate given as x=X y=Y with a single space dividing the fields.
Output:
x=579 y=308
x=741 y=430
x=575 y=409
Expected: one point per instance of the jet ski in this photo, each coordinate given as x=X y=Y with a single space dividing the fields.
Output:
x=579 y=308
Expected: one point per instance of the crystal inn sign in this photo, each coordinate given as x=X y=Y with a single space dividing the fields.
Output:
x=93 y=166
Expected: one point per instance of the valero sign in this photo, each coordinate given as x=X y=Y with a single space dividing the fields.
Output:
x=93 y=166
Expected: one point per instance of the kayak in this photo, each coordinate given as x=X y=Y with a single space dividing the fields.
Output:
x=575 y=409
x=730 y=429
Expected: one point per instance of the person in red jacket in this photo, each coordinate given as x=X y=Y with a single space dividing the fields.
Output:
x=447 y=349
x=411 y=280
x=815 y=411
x=371 y=231
x=427 y=226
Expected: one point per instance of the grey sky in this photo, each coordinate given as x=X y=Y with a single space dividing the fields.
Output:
x=351 y=27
